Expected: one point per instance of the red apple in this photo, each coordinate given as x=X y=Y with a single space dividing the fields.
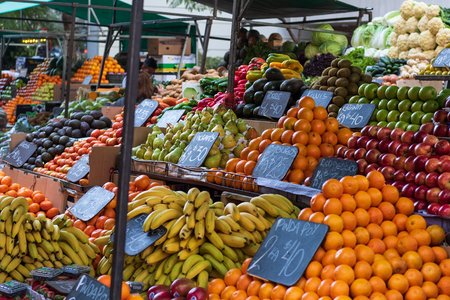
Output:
x=431 y=140
x=383 y=133
x=433 y=208
x=372 y=155
x=427 y=127
x=420 y=205
x=402 y=149
x=431 y=180
x=445 y=166
x=152 y=291
x=422 y=149
x=411 y=150
x=419 y=136
x=383 y=146
x=442 y=147
x=396 y=134
x=444 y=210
x=388 y=159
x=432 y=165
x=341 y=151
x=393 y=146
x=420 y=178
x=420 y=192
x=399 y=185
x=419 y=163
x=432 y=195
x=362 y=140
x=366 y=130
x=444 y=181
x=408 y=190
x=349 y=153
x=444 y=197
x=410 y=177
x=399 y=162
x=373 y=130
x=371 y=167
x=164 y=295
x=362 y=165
x=409 y=163
x=388 y=172
x=197 y=293
x=371 y=144
x=360 y=153
x=440 y=116
x=352 y=142
x=180 y=287
x=399 y=175
x=440 y=130
x=407 y=137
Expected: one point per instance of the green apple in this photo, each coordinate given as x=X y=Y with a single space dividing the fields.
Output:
x=363 y=100
x=405 y=116
x=393 y=116
x=416 y=106
x=382 y=124
x=391 y=125
x=375 y=102
x=416 y=117
x=392 y=104
x=383 y=103
x=427 y=118
x=401 y=125
x=404 y=105
x=413 y=127
x=430 y=106
x=382 y=115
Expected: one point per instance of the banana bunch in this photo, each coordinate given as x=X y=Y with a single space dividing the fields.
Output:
x=28 y=242
x=203 y=238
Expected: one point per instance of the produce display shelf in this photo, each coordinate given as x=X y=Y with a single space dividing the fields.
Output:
x=433 y=77
x=442 y=221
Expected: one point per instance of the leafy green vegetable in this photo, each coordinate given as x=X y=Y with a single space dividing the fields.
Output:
x=331 y=47
x=311 y=51
x=319 y=38
x=357 y=58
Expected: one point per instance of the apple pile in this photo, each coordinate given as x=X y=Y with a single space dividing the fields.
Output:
x=441 y=120
x=180 y=289
x=416 y=163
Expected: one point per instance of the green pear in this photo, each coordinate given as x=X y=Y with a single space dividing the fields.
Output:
x=184 y=135
x=191 y=136
x=183 y=145
x=217 y=120
x=213 y=161
x=156 y=154
x=231 y=127
x=218 y=128
x=135 y=150
x=206 y=118
x=140 y=152
x=156 y=129
x=174 y=155
x=167 y=145
x=150 y=138
x=214 y=150
x=162 y=155
x=148 y=154
x=228 y=141
x=238 y=149
x=177 y=135
x=229 y=116
x=168 y=136
x=241 y=125
x=158 y=143
x=220 y=110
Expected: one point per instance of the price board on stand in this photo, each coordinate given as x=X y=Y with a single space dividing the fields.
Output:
x=197 y=150
x=79 y=169
x=330 y=167
x=143 y=111
x=88 y=288
x=355 y=115
x=170 y=117
x=287 y=250
x=91 y=203
x=20 y=154
x=275 y=161
x=442 y=60
x=274 y=104
x=321 y=98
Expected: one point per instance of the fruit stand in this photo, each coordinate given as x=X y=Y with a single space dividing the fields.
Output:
x=279 y=179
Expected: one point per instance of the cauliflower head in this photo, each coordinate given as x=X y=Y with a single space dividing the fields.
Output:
x=407 y=9
x=423 y=24
x=420 y=9
x=443 y=37
x=403 y=55
x=402 y=42
x=413 y=40
x=435 y=24
x=393 y=52
x=429 y=54
x=393 y=39
x=427 y=40
x=400 y=26
x=413 y=52
x=411 y=25
x=433 y=11
x=438 y=50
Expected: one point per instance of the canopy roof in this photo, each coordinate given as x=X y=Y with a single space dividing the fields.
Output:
x=264 y=9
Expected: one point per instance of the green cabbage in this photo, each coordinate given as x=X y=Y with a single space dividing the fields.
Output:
x=319 y=38
x=311 y=51
x=331 y=47
x=341 y=40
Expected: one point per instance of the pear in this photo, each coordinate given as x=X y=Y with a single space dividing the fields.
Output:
x=216 y=119
x=218 y=128
x=231 y=127
x=184 y=135
x=167 y=145
x=168 y=136
x=150 y=138
x=176 y=136
x=213 y=161
x=156 y=129
x=162 y=155
x=214 y=150
x=241 y=125
x=135 y=150
x=155 y=154
x=229 y=116
x=183 y=145
x=220 y=110
x=158 y=143
x=140 y=152
x=206 y=117
x=223 y=160
x=191 y=136
x=228 y=141
x=238 y=149
x=148 y=154
x=174 y=155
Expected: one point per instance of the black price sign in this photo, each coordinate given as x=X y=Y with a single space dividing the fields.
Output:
x=62 y=286
x=20 y=154
x=143 y=111
x=321 y=98
x=287 y=250
x=137 y=240
x=197 y=150
x=79 y=169
x=275 y=161
x=355 y=115
x=87 y=288
x=331 y=167
x=274 y=104
x=170 y=117
x=91 y=203
x=443 y=59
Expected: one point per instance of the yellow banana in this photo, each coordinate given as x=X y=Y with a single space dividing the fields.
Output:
x=184 y=254
x=13 y=264
x=153 y=200
x=247 y=224
x=248 y=207
x=280 y=201
x=202 y=197
x=260 y=226
x=232 y=210
x=202 y=279
x=185 y=232
x=219 y=205
x=5 y=201
x=69 y=251
x=222 y=226
x=188 y=208
x=37 y=225
x=216 y=265
x=70 y=239
x=194 y=243
x=229 y=264
x=9 y=226
x=5 y=261
x=18 y=212
x=80 y=235
x=215 y=239
x=190 y=262
x=232 y=223
x=19 y=201
x=23 y=270
x=232 y=241
x=230 y=253
x=175 y=205
x=143 y=209
x=197 y=268
x=86 y=248
x=199 y=229
x=56 y=234
x=250 y=250
x=192 y=194
x=9 y=244
x=5 y=214
x=176 y=227
x=190 y=221
x=176 y=270
x=270 y=209
x=17 y=276
x=201 y=211
x=208 y=248
x=210 y=221
x=148 y=221
x=127 y=272
x=163 y=217
x=170 y=263
x=45 y=235
x=42 y=253
x=172 y=245
x=157 y=256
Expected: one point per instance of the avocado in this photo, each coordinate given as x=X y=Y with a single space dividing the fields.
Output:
x=77 y=115
x=342 y=82
x=106 y=120
x=39 y=163
x=292 y=85
x=59 y=149
x=344 y=72
x=52 y=151
x=344 y=63
x=87 y=118
x=255 y=111
x=258 y=98
x=97 y=124
x=258 y=85
x=68 y=131
x=248 y=110
x=333 y=72
x=248 y=95
x=366 y=78
x=240 y=109
x=332 y=114
x=47 y=144
x=96 y=114
x=84 y=127
x=42 y=134
x=89 y=132
x=335 y=62
x=340 y=91
x=75 y=124
x=76 y=133
x=55 y=138
x=332 y=81
x=323 y=88
x=46 y=157
x=273 y=74
x=31 y=160
x=333 y=108
x=29 y=137
x=58 y=124
x=323 y=80
x=331 y=89
x=272 y=86
x=352 y=88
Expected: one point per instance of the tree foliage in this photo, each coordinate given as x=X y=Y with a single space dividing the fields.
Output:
x=190 y=5
x=38 y=12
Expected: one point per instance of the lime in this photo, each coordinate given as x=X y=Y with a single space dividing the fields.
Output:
x=391 y=92
x=381 y=91
x=417 y=106
x=382 y=124
x=361 y=89
x=363 y=100
x=393 y=116
x=402 y=93
x=430 y=106
x=401 y=125
x=427 y=93
x=353 y=99
x=427 y=118
x=392 y=104
x=413 y=127
x=413 y=93
x=382 y=115
x=375 y=101
x=383 y=104
x=391 y=125
x=405 y=116
x=442 y=97
x=404 y=105
x=416 y=117
x=370 y=91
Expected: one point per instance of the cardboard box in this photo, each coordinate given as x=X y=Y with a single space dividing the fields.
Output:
x=57 y=92
x=168 y=46
x=102 y=161
x=438 y=85
x=261 y=125
x=111 y=111
x=170 y=63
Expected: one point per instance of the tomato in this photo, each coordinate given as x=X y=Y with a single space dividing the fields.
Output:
x=111 y=141
x=96 y=133
x=119 y=132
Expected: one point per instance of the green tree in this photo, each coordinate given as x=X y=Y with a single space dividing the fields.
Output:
x=37 y=12
x=188 y=4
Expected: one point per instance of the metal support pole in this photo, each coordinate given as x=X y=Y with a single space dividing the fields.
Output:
x=180 y=65
x=69 y=60
x=64 y=70
x=199 y=34
x=134 y=47
x=206 y=44
x=290 y=31
x=2 y=46
x=105 y=56
x=233 y=45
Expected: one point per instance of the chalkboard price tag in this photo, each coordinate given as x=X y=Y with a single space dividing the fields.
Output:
x=62 y=286
x=13 y=288
x=170 y=117
x=330 y=167
x=197 y=150
x=443 y=59
x=287 y=250
x=137 y=240
x=355 y=115
x=91 y=203
x=45 y=273
x=75 y=270
x=321 y=98
x=274 y=104
x=143 y=111
x=20 y=154
x=87 y=80
x=79 y=169
x=275 y=161
x=88 y=288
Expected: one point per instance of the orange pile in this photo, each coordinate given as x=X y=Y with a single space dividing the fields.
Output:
x=37 y=202
x=307 y=127
x=375 y=249
x=92 y=67
x=10 y=107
